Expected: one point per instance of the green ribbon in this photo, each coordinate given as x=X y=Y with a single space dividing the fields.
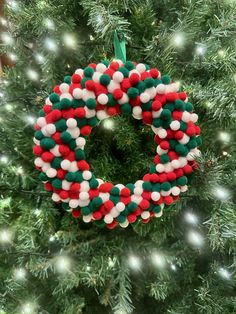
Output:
x=120 y=49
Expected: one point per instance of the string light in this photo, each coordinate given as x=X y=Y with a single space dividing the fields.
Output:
x=30 y=119
x=224 y=137
x=178 y=40
x=62 y=264
x=20 y=274
x=208 y=104
x=1 y=94
x=49 y=24
x=88 y=268
x=111 y=262
x=52 y=238
x=91 y=37
x=191 y=218
x=224 y=153
x=3 y=21
x=32 y=74
x=5 y=236
x=28 y=308
x=99 y=20
x=224 y=273
x=4 y=159
x=37 y=212
x=39 y=58
x=50 y=44
x=195 y=238
x=19 y=170
x=69 y=40
x=109 y=124
x=13 y=56
x=222 y=53
x=13 y=5
x=7 y=39
x=200 y=50
x=158 y=260
x=173 y=267
x=134 y=262
x=8 y=107
x=221 y=193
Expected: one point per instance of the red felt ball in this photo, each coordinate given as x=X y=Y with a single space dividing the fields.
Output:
x=147 y=117
x=134 y=79
x=112 y=225
x=37 y=150
x=114 y=65
x=177 y=115
x=125 y=84
x=131 y=218
x=105 y=187
x=83 y=165
x=173 y=155
x=145 y=75
x=179 y=135
x=48 y=186
x=187 y=169
x=182 y=95
x=135 y=101
x=154 y=178
x=179 y=173
x=37 y=127
x=190 y=131
x=171 y=97
x=162 y=177
x=146 y=177
x=92 y=65
x=161 y=98
x=109 y=72
x=76 y=78
x=145 y=221
x=56 y=115
x=171 y=176
x=144 y=204
x=80 y=112
x=86 y=130
x=93 y=193
x=168 y=200
x=112 y=111
x=154 y=73
x=47 y=108
x=56 y=90
x=47 y=156
x=156 y=105
x=157 y=139
x=157 y=159
x=64 y=150
x=61 y=174
x=165 y=145
x=75 y=213
x=90 y=85
x=64 y=194
x=125 y=192
x=170 y=134
x=197 y=130
x=117 y=93
x=109 y=205
x=125 y=199
x=68 y=113
x=97 y=215
x=57 y=137
x=75 y=187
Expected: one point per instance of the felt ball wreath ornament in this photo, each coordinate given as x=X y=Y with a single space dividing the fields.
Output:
x=95 y=93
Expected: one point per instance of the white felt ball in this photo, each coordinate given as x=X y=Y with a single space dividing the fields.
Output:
x=174 y=87
x=73 y=203
x=184 y=188
x=73 y=166
x=112 y=86
x=51 y=173
x=185 y=139
x=87 y=218
x=120 y=186
x=155 y=196
x=83 y=203
x=137 y=116
x=87 y=175
x=64 y=88
x=71 y=123
x=84 y=186
x=124 y=99
x=83 y=196
x=190 y=156
x=80 y=142
x=56 y=197
x=50 y=128
x=65 y=164
x=38 y=162
x=156 y=114
x=96 y=77
x=55 y=151
x=175 y=190
x=108 y=218
x=119 y=61
x=66 y=95
x=161 y=88
x=118 y=77
x=165 y=193
x=48 y=102
x=100 y=67
x=193 y=117
x=162 y=133
x=86 y=94
x=161 y=151
x=101 y=115
x=145 y=214
x=134 y=71
x=168 y=167
x=159 y=214
x=141 y=67
x=155 y=130
x=137 y=110
x=66 y=185
x=77 y=93
x=160 y=168
x=175 y=163
x=104 y=196
x=138 y=190
x=100 y=181
x=41 y=121
x=124 y=224
x=75 y=132
x=46 y=166
x=89 y=112
x=120 y=206
x=175 y=125
x=183 y=161
x=151 y=92
x=136 y=199
x=186 y=116
x=36 y=142
x=144 y=97
x=44 y=131
x=114 y=212
x=80 y=72
x=139 y=183
x=103 y=99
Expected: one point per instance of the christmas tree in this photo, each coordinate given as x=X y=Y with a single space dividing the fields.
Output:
x=179 y=263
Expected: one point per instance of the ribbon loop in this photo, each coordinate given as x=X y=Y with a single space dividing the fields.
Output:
x=119 y=46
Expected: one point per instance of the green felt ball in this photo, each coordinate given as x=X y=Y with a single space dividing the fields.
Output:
x=81 y=103
x=72 y=144
x=129 y=65
x=164 y=158
x=133 y=92
x=41 y=113
x=88 y=72
x=166 y=124
x=183 y=126
x=121 y=218
x=79 y=177
x=126 y=211
x=57 y=105
x=173 y=143
x=57 y=184
x=181 y=149
x=70 y=176
x=54 y=97
x=140 y=86
x=152 y=169
x=149 y=82
x=166 y=114
x=147 y=106
x=192 y=143
x=56 y=163
x=84 y=80
x=147 y=66
x=105 y=79
x=79 y=154
x=115 y=199
x=91 y=103
x=199 y=140
x=115 y=191
x=106 y=62
x=157 y=122
x=166 y=186
x=47 y=143
x=182 y=181
x=65 y=206
x=38 y=135
x=126 y=108
x=179 y=105
x=157 y=187
x=92 y=121
x=93 y=183
x=85 y=211
x=74 y=103
x=165 y=79
x=96 y=202
x=43 y=177
x=124 y=71
x=111 y=100
x=132 y=206
x=188 y=106
x=147 y=186
x=65 y=103
x=130 y=186
x=157 y=82
x=157 y=209
x=67 y=79
x=99 y=223
x=169 y=106
x=81 y=122
x=65 y=137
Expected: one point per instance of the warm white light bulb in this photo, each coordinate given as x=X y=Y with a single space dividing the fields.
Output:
x=99 y=20
x=3 y=21
x=191 y=218
x=19 y=170
x=173 y=267
x=30 y=119
x=158 y=260
x=28 y=308
x=39 y=58
x=32 y=74
x=49 y=24
x=222 y=53
x=52 y=238
x=69 y=40
x=134 y=262
x=13 y=5
x=13 y=56
x=20 y=274
x=224 y=273
x=1 y=95
x=7 y=39
x=62 y=264
x=109 y=124
x=195 y=238
x=50 y=44
x=221 y=193
x=178 y=40
x=200 y=50
x=5 y=236
x=4 y=159
x=224 y=137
